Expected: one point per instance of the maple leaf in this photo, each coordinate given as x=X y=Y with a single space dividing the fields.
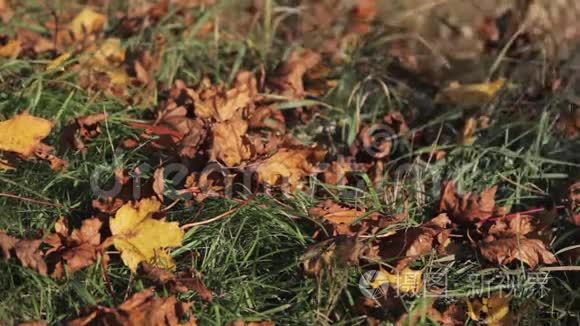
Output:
x=78 y=249
x=467 y=208
x=229 y=142
x=289 y=165
x=143 y=308
x=26 y=251
x=140 y=238
x=23 y=133
x=470 y=94
x=409 y=244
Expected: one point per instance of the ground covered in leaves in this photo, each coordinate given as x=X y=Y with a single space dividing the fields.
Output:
x=289 y=162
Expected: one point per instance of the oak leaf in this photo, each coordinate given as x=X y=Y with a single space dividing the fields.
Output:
x=141 y=238
x=23 y=133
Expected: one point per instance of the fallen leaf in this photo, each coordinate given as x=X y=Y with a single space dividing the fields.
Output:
x=87 y=22
x=140 y=238
x=505 y=250
x=469 y=95
x=349 y=221
x=23 y=133
x=574 y=197
x=83 y=129
x=11 y=49
x=451 y=315
x=336 y=252
x=289 y=78
x=229 y=143
x=6 y=11
x=252 y=323
x=57 y=62
x=288 y=166
x=77 y=249
x=27 y=252
x=143 y=308
x=494 y=310
x=468 y=208
x=180 y=282
x=406 y=280
x=410 y=244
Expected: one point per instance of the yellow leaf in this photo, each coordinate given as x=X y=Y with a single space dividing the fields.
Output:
x=10 y=49
x=495 y=309
x=470 y=94
x=23 y=133
x=468 y=134
x=140 y=237
x=407 y=280
x=109 y=53
x=87 y=22
x=58 y=61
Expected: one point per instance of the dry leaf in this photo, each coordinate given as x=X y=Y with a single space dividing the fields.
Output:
x=143 y=308
x=410 y=244
x=229 y=143
x=87 y=22
x=83 y=129
x=252 y=323
x=6 y=11
x=141 y=238
x=331 y=253
x=494 y=310
x=289 y=77
x=58 y=61
x=180 y=282
x=11 y=49
x=467 y=208
x=470 y=94
x=407 y=280
x=77 y=249
x=26 y=251
x=574 y=197
x=23 y=133
x=289 y=165
x=505 y=250
x=451 y=315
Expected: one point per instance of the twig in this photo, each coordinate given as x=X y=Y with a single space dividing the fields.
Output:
x=222 y=215
x=31 y=200
x=559 y=268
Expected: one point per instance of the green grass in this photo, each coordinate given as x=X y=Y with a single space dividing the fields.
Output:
x=251 y=259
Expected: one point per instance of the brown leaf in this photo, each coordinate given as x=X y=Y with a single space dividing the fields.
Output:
x=26 y=252
x=83 y=129
x=468 y=208
x=331 y=253
x=574 y=197
x=410 y=244
x=289 y=77
x=143 y=308
x=6 y=11
x=229 y=142
x=252 y=323
x=76 y=250
x=289 y=165
x=350 y=221
x=180 y=282
x=507 y=249
x=452 y=315
x=45 y=152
